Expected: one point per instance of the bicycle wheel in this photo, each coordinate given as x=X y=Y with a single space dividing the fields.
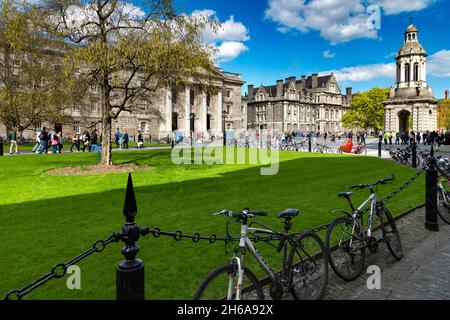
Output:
x=444 y=206
x=345 y=248
x=390 y=233
x=328 y=150
x=317 y=150
x=308 y=267
x=303 y=149
x=215 y=285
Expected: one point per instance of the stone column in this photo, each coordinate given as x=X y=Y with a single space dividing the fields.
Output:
x=168 y=111
x=187 y=111
x=204 y=113
x=219 y=111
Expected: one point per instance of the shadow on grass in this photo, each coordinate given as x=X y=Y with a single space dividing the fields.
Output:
x=36 y=234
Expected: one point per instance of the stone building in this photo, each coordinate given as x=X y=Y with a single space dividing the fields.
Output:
x=411 y=104
x=313 y=103
x=173 y=112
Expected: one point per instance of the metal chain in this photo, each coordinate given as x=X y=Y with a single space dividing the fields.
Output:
x=196 y=237
x=59 y=270
x=403 y=186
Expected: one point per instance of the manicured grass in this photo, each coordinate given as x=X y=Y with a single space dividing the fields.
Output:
x=49 y=219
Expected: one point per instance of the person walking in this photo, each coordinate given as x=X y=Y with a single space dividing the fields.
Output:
x=86 y=141
x=140 y=140
x=37 y=141
x=386 y=137
x=60 y=141
x=94 y=141
x=418 y=137
x=75 y=141
x=412 y=138
x=44 y=140
x=54 y=141
x=391 y=135
x=12 y=138
x=397 y=138
x=125 y=138
x=117 y=136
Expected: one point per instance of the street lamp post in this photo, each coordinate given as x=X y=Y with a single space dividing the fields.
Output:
x=224 y=116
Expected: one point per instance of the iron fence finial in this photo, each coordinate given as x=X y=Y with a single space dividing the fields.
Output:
x=130 y=206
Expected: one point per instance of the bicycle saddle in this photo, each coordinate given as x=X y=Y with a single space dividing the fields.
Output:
x=345 y=195
x=288 y=213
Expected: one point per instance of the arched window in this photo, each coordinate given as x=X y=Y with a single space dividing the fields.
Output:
x=416 y=72
x=407 y=72
x=192 y=97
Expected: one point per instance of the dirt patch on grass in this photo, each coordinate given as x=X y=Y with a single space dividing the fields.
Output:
x=98 y=169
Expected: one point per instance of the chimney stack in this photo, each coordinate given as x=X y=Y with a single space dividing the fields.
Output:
x=315 y=80
x=349 y=94
x=303 y=82
x=250 y=93
x=279 y=88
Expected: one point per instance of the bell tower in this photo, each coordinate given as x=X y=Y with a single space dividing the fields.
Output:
x=411 y=61
x=411 y=105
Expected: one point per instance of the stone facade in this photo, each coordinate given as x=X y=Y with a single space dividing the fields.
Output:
x=168 y=112
x=313 y=103
x=411 y=104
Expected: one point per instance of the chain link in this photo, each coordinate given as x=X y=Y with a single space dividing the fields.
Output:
x=59 y=270
x=403 y=186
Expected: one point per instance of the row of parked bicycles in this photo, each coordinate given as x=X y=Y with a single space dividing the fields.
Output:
x=303 y=146
x=305 y=258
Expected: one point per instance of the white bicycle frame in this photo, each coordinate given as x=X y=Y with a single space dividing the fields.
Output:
x=244 y=243
x=373 y=199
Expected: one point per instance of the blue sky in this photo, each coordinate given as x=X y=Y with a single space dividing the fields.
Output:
x=266 y=40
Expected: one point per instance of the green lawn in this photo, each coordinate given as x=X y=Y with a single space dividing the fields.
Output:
x=49 y=219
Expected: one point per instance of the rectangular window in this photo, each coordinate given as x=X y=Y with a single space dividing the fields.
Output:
x=94 y=106
x=93 y=88
x=76 y=127
x=143 y=126
x=16 y=67
x=142 y=106
x=229 y=93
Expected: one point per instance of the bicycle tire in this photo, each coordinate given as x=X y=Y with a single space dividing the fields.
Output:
x=328 y=150
x=443 y=208
x=357 y=265
x=311 y=266
x=395 y=248
x=229 y=269
x=317 y=150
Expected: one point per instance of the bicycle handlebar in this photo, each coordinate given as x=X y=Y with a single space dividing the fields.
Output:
x=369 y=185
x=246 y=213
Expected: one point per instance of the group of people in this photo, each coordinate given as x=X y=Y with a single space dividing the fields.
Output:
x=85 y=141
x=122 y=140
x=427 y=137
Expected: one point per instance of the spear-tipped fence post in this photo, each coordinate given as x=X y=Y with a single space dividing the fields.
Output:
x=414 y=155
x=431 y=220
x=130 y=272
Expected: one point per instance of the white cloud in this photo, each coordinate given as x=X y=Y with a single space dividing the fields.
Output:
x=230 y=50
x=439 y=64
x=398 y=6
x=337 y=21
x=229 y=37
x=365 y=72
x=327 y=54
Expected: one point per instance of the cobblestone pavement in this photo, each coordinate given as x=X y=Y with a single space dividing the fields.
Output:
x=423 y=272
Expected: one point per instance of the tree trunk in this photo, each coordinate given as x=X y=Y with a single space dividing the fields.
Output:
x=106 y=141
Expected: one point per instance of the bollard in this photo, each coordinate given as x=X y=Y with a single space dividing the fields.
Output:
x=1 y=146
x=431 y=220
x=309 y=143
x=379 y=147
x=173 y=144
x=414 y=155
x=130 y=272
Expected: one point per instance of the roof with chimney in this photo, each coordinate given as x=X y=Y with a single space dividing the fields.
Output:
x=272 y=90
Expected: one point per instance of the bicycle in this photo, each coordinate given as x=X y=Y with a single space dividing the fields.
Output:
x=347 y=238
x=320 y=148
x=303 y=273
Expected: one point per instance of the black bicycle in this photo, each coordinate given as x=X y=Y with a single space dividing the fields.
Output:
x=304 y=270
x=348 y=236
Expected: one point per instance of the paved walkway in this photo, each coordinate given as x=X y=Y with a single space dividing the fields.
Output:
x=423 y=273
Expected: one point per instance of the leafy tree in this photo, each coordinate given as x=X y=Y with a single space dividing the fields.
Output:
x=129 y=52
x=444 y=114
x=366 y=109
x=31 y=90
